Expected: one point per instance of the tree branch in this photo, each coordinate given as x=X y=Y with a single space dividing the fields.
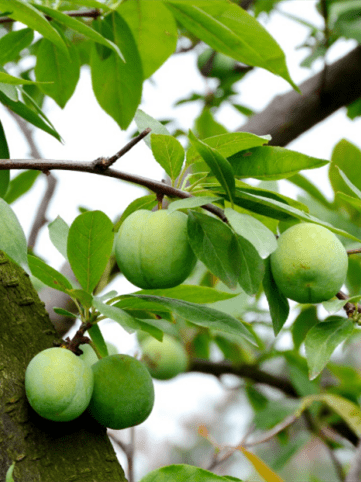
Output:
x=92 y=168
x=253 y=372
x=290 y=115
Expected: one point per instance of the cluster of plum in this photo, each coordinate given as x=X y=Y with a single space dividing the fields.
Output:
x=153 y=251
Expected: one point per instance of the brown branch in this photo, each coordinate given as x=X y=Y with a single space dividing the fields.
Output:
x=348 y=307
x=94 y=13
x=354 y=251
x=253 y=372
x=155 y=186
x=290 y=115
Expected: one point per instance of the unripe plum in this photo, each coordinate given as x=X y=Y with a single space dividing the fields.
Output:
x=123 y=394
x=222 y=65
x=152 y=249
x=310 y=263
x=164 y=359
x=58 y=384
x=89 y=356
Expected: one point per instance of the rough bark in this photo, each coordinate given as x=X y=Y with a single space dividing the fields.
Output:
x=43 y=451
x=290 y=115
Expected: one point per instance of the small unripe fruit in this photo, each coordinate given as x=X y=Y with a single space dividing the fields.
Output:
x=89 y=356
x=152 y=249
x=221 y=66
x=164 y=359
x=310 y=263
x=123 y=394
x=58 y=384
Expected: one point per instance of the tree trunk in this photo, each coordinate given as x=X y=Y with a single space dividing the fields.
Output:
x=43 y=451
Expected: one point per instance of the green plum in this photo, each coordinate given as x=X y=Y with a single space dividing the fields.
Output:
x=58 y=384
x=310 y=263
x=89 y=356
x=222 y=65
x=164 y=359
x=152 y=249
x=123 y=394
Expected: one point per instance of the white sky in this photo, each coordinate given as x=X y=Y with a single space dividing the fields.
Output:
x=89 y=133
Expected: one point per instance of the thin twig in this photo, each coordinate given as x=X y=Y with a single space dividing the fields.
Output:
x=104 y=163
x=128 y=450
x=353 y=251
x=40 y=218
x=348 y=307
x=336 y=463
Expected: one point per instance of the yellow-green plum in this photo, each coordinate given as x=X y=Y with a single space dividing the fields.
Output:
x=152 y=249
x=123 y=394
x=164 y=359
x=58 y=384
x=89 y=356
x=310 y=263
x=222 y=65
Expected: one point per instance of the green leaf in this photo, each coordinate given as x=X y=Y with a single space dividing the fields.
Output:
x=4 y=154
x=334 y=304
x=9 y=473
x=80 y=27
x=90 y=242
x=228 y=144
x=82 y=296
x=20 y=184
x=48 y=275
x=346 y=157
x=322 y=339
x=271 y=163
x=303 y=323
x=92 y=3
x=12 y=237
x=353 y=201
x=144 y=121
x=55 y=67
x=98 y=340
x=27 y=14
x=218 y=164
x=154 y=30
x=191 y=202
x=13 y=43
x=353 y=188
x=181 y=473
x=253 y=230
x=61 y=311
x=117 y=85
x=347 y=410
x=229 y=29
x=28 y=114
x=277 y=302
x=252 y=266
x=144 y=202
x=192 y=293
x=278 y=209
x=58 y=233
x=303 y=183
x=169 y=153
x=214 y=243
x=10 y=79
x=207 y=126
x=126 y=321
x=202 y=316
